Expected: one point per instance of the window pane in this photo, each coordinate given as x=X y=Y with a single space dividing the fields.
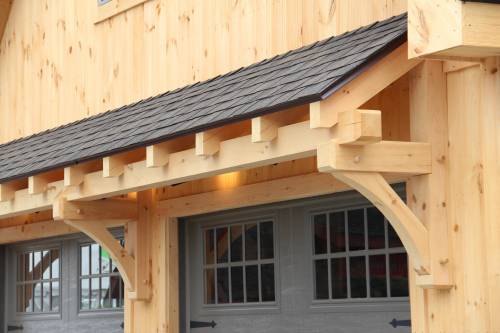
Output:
x=85 y=260
x=378 y=281
x=54 y=257
x=94 y=294
x=321 y=279
x=28 y=297
x=20 y=298
x=236 y=243
x=337 y=232
x=28 y=266
x=394 y=240
x=222 y=285
x=209 y=247
x=55 y=296
x=398 y=274
x=251 y=242
x=37 y=291
x=222 y=244
x=46 y=265
x=267 y=282
x=105 y=262
x=37 y=265
x=356 y=227
x=20 y=267
x=209 y=286
x=95 y=253
x=339 y=278
x=84 y=294
x=115 y=291
x=320 y=236
x=252 y=279
x=266 y=240
x=237 y=284
x=376 y=228
x=358 y=277
x=105 y=292
x=46 y=296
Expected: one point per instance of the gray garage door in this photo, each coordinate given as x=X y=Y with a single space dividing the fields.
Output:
x=62 y=285
x=322 y=265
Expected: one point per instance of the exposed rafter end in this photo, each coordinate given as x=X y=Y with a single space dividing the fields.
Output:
x=207 y=143
x=37 y=184
x=265 y=128
x=113 y=166
x=157 y=155
x=8 y=190
x=360 y=127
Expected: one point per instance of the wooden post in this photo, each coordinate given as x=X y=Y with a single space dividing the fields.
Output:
x=473 y=189
x=160 y=313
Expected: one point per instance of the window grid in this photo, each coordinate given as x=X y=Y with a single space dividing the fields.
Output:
x=348 y=254
x=92 y=277
x=31 y=289
x=243 y=263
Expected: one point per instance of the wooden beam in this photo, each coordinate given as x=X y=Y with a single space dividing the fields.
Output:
x=207 y=142
x=98 y=232
x=284 y=189
x=8 y=189
x=37 y=184
x=444 y=29
x=361 y=89
x=106 y=209
x=413 y=158
x=73 y=175
x=113 y=166
x=45 y=229
x=25 y=203
x=360 y=127
x=410 y=230
x=157 y=155
x=265 y=128
x=293 y=142
x=428 y=194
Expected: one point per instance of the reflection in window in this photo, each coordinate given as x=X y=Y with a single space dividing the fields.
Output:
x=37 y=285
x=101 y=286
x=239 y=263
x=357 y=254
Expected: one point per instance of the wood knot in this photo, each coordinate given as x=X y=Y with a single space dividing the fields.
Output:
x=357 y=159
x=79 y=211
x=444 y=261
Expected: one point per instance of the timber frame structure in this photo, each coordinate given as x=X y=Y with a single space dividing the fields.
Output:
x=341 y=133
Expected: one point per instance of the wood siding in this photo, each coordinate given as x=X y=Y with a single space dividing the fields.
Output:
x=58 y=66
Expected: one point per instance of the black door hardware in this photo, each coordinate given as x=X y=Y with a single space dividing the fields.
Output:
x=400 y=323
x=11 y=328
x=200 y=324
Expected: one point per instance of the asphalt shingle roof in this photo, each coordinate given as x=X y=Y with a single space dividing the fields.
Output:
x=304 y=75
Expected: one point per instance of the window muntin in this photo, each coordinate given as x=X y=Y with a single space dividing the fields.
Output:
x=357 y=255
x=239 y=263
x=38 y=281
x=100 y=284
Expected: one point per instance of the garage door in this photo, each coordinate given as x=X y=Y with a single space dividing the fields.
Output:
x=62 y=285
x=322 y=265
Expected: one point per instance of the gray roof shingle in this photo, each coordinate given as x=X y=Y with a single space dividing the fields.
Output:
x=304 y=75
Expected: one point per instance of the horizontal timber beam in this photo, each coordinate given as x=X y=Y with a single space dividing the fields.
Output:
x=278 y=190
x=413 y=158
x=293 y=142
x=360 y=127
x=115 y=209
x=38 y=230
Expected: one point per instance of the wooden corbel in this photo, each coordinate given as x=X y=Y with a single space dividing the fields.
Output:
x=89 y=216
x=361 y=168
